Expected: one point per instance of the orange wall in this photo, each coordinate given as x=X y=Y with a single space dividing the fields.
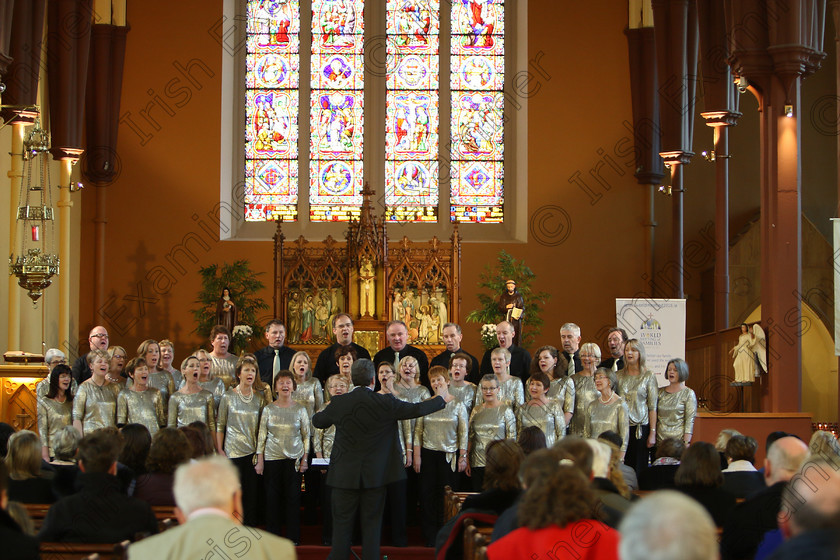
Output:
x=170 y=175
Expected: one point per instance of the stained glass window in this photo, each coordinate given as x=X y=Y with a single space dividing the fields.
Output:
x=333 y=102
x=411 y=110
x=477 y=126
x=271 y=98
x=336 y=118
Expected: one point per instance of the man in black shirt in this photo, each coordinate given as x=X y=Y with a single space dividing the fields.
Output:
x=276 y=353
x=452 y=339
x=616 y=339
x=398 y=347
x=343 y=332
x=520 y=359
x=98 y=340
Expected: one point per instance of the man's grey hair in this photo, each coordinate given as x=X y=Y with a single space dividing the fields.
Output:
x=209 y=482
x=601 y=454
x=668 y=525
x=53 y=353
x=362 y=372
x=785 y=456
x=455 y=325
x=66 y=443
x=571 y=327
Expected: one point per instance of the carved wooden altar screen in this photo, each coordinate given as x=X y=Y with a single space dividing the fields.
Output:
x=372 y=279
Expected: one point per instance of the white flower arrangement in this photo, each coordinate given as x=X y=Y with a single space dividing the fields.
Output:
x=243 y=330
x=488 y=336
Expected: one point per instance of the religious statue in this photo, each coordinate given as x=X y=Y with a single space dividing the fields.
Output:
x=226 y=310
x=750 y=354
x=367 y=289
x=512 y=304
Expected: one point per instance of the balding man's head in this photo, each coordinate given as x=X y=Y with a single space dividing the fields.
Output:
x=811 y=499
x=784 y=458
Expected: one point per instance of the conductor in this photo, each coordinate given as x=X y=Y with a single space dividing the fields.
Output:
x=366 y=456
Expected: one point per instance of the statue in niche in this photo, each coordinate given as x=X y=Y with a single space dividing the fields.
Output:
x=294 y=317
x=226 y=310
x=367 y=289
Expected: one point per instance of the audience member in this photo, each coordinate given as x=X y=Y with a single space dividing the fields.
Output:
x=555 y=510
x=90 y=515
x=660 y=474
x=740 y=477
x=206 y=436
x=64 y=465
x=809 y=519
x=630 y=477
x=169 y=448
x=501 y=482
x=209 y=502
x=825 y=446
x=18 y=512
x=757 y=514
x=530 y=439
x=28 y=482
x=668 y=526
x=197 y=449
x=699 y=476
x=5 y=433
x=720 y=444
x=137 y=441
x=17 y=545
x=612 y=504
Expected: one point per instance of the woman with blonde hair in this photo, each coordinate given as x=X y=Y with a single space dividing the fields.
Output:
x=638 y=386
x=824 y=444
x=116 y=370
x=158 y=378
x=511 y=391
x=609 y=411
x=27 y=482
x=489 y=421
x=95 y=403
x=309 y=392
x=191 y=403
x=205 y=378
x=584 y=382
x=140 y=403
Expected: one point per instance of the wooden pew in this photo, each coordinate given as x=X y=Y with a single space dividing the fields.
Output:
x=82 y=551
x=475 y=538
x=452 y=502
x=164 y=514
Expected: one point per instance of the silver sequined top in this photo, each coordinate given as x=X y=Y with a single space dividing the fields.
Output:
x=216 y=386
x=141 y=407
x=585 y=393
x=195 y=407
x=309 y=394
x=224 y=369
x=239 y=421
x=53 y=416
x=603 y=417
x=163 y=382
x=676 y=413
x=444 y=430
x=563 y=391
x=511 y=392
x=324 y=439
x=640 y=392
x=465 y=394
x=549 y=418
x=284 y=433
x=413 y=395
x=95 y=406
x=486 y=425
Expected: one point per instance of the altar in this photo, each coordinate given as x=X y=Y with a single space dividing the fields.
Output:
x=372 y=278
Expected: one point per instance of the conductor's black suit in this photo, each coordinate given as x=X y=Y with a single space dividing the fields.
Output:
x=366 y=456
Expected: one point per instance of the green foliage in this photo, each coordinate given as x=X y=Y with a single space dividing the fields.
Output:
x=493 y=280
x=244 y=286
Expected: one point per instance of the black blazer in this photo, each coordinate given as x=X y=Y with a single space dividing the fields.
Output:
x=265 y=361
x=366 y=452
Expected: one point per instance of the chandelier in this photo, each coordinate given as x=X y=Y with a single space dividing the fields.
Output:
x=36 y=262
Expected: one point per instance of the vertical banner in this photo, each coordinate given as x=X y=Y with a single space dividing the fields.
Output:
x=836 y=226
x=659 y=324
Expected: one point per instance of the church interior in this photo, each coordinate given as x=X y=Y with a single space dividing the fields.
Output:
x=581 y=208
